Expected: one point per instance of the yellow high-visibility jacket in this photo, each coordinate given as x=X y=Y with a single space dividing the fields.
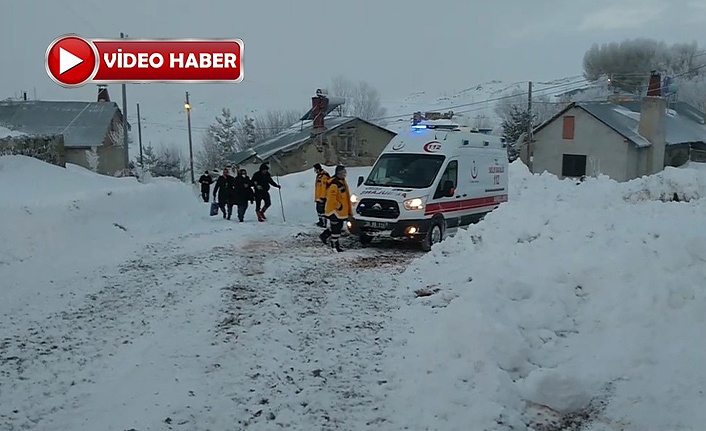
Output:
x=338 y=199
x=322 y=181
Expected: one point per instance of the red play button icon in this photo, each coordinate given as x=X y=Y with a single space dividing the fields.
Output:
x=71 y=61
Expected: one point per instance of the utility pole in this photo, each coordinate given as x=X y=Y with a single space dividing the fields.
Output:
x=139 y=134
x=187 y=106
x=529 y=126
x=125 y=140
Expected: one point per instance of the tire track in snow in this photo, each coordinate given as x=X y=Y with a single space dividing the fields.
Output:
x=309 y=339
x=294 y=342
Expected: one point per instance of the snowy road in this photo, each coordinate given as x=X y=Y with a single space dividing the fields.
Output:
x=197 y=334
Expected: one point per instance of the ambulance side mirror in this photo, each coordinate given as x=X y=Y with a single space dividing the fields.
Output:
x=360 y=180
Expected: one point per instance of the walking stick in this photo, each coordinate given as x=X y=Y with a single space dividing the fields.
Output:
x=281 y=204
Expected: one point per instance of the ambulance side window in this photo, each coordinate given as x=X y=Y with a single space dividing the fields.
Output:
x=449 y=177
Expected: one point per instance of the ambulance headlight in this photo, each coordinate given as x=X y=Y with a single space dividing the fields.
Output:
x=354 y=199
x=414 y=204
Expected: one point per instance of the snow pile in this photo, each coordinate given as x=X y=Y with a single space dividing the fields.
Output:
x=73 y=213
x=571 y=303
x=7 y=133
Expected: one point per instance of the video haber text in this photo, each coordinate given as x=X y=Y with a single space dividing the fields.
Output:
x=145 y=60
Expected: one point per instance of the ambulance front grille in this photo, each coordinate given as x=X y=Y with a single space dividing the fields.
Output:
x=378 y=208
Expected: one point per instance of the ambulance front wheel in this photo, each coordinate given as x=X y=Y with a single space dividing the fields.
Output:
x=365 y=239
x=434 y=236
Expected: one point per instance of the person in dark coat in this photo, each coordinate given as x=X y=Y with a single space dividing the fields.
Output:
x=243 y=193
x=225 y=190
x=262 y=180
x=206 y=182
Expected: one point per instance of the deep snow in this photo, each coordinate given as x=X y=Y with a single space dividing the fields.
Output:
x=125 y=306
x=568 y=300
x=5 y=133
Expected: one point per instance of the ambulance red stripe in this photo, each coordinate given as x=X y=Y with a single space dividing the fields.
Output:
x=464 y=205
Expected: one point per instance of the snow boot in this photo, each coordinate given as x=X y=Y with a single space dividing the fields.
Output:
x=260 y=216
x=336 y=246
x=324 y=236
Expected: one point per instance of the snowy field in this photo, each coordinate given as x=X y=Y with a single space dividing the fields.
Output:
x=126 y=307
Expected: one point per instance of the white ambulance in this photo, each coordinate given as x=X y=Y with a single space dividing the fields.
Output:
x=429 y=182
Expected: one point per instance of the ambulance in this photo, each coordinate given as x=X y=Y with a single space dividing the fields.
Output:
x=428 y=182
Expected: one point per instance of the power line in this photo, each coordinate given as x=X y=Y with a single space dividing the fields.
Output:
x=543 y=91
x=495 y=99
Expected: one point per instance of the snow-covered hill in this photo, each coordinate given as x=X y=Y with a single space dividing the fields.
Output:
x=475 y=105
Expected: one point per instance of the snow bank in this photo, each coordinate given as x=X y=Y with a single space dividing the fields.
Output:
x=59 y=223
x=5 y=132
x=568 y=300
x=50 y=211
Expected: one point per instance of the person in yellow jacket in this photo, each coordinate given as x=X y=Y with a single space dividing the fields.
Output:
x=322 y=180
x=338 y=208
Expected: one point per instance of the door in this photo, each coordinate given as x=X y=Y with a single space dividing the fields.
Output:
x=446 y=198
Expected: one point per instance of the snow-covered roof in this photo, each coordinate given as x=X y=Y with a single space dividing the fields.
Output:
x=83 y=124
x=291 y=138
x=684 y=123
x=5 y=133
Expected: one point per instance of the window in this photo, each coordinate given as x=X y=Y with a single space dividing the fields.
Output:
x=405 y=170
x=569 y=126
x=449 y=175
x=347 y=143
x=573 y=166
x=698 y=155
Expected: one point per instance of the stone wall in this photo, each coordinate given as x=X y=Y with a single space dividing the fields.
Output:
x=48 y=149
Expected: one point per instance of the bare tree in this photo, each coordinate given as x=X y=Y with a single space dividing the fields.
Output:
x=211 y=155
x=341 y=87
x=362 y=99
x=273 y=122
x=542 y=106
x=482 y=121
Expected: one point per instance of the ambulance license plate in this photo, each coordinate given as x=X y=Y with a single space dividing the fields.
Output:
x=376 y=225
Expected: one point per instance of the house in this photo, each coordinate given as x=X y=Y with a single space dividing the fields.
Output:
x=92 y=131
x=319 y=138
x=623 y=138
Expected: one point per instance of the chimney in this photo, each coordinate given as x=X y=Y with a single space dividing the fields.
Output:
x=103 y=93
x=653 y=127
x=654 y=88
x=319 y=106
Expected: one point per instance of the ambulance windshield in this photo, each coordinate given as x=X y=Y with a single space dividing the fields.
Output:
x=415 y=171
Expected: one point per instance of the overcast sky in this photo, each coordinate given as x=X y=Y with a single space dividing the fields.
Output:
x=294 y=46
